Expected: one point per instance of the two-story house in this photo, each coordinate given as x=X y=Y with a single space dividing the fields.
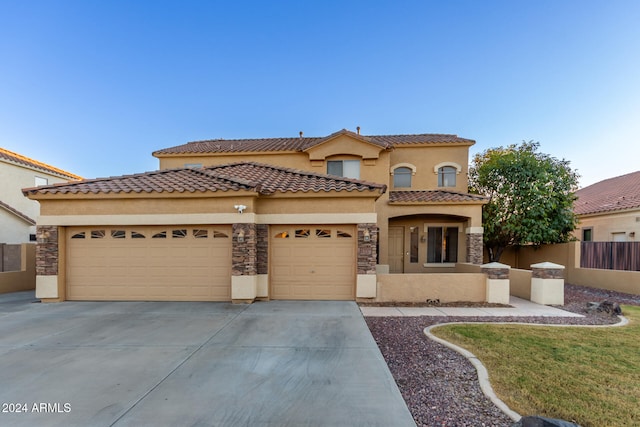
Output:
x=18 y=214
x=275 y=218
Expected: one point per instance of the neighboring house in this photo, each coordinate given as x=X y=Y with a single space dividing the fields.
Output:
x=18 y=214
x=276 y=218
x=609 y=210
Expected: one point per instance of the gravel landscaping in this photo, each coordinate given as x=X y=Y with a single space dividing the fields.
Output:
x=439 y=385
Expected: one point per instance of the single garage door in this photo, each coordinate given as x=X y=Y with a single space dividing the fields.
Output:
x=172 y=263
x=313 y=262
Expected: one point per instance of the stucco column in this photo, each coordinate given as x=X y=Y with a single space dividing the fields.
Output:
x=366 y=282
x=244 y=269
x=547 y=283
x=498 y=283
x=474 y=244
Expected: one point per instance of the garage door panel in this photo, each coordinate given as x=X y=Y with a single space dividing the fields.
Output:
x=319 y=266
x=171 y=268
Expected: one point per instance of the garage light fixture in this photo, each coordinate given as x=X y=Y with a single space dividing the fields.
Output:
x=366 y=235
x=241 y=236
x=240 y=208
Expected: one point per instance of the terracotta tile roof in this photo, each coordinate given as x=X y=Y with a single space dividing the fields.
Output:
x=19 y=159
x=613 y=194
x=260 y=178
x=303 y=143
x=434 y=196
x=17 y=213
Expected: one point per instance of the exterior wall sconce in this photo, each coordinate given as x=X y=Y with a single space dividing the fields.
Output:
x=43 y=237
x=632 y=234
x=240 y=208
x=366 y=235
x=241 y=236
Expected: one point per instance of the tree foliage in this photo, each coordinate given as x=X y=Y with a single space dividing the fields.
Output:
x=531 y=197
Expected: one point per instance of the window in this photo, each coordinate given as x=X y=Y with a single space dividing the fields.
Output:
x=193 y=165
x=325 y=234
x=343 y=234
x=402 y=177
x=219 y=235
x=442 y=245
x=447 y=176
x=200 y=234
x=118 y=234
x=98 y=234
x=303 y=232
x=344 y=168
x=179 y=234
x=282 y=235
x=80 y=235
x=587 y=234
x=41 y=181
x=160 y=235
x=137 y=235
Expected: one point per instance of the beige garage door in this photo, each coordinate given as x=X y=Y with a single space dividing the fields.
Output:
x=173 y=263
x=313 y=262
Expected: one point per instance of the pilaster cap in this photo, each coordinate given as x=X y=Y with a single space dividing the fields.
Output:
x=548 y=265
x=495 y=265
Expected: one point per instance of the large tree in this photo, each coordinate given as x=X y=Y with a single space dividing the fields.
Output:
x=531 y=197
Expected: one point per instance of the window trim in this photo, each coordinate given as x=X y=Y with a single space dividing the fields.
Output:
x=342 y=162
x=392 y=172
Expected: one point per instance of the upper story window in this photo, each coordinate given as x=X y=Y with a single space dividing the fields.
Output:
x=41 y=181
x=402 y=177
x=587 y=234
x=447 y=176
x=344 y=168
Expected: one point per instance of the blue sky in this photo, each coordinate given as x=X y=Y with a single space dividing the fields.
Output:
x=95 y=86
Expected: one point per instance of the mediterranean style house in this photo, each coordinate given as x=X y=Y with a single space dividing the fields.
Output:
x=609 y=210
x=18 y=214
x=275 y=218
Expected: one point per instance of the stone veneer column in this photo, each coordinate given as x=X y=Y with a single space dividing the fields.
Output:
x=475 y=246
x=47 y=256
x=366 y=284
x=244 y=261
x=262 y=248
x=498 y=283
x=547 y=283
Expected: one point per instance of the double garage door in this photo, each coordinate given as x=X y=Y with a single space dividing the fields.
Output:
x=177 y=263
x=193 y=263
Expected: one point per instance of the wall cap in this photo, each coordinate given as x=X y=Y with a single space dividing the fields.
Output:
x=496 y=265
x=548 y=265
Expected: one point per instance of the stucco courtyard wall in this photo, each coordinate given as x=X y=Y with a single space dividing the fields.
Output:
x=568 y=254
x=420 y=287
x=25 y=278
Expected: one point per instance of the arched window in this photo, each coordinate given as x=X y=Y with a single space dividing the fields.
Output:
x=402 y=177
x=447 y=176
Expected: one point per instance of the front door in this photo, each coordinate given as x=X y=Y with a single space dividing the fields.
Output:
x=396 y=249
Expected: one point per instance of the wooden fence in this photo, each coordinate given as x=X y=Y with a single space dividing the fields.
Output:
x=610 y=255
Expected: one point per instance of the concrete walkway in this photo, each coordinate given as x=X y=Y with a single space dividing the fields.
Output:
x=520 y=308
x=279 y=363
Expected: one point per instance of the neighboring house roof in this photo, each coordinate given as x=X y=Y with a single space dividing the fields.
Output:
x=20 y=160
x=17 y=213
x=303 y=143
x=261 y=178
x=434 y=196
x=613 y=194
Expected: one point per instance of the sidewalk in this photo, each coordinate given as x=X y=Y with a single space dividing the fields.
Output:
x=519 y=308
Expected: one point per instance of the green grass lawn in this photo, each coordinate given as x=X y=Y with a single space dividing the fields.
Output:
x=590 y=376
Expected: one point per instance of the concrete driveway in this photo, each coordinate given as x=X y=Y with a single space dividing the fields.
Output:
x=274 y=363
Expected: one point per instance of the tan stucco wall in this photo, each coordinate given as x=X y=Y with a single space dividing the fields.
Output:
x=138 y=206
x=421 y=287
x=520 y=283
x=344 y=144
x=568 y=255
x=25 y=279
x=605 y=225
x=425 y=158
x=287 y=159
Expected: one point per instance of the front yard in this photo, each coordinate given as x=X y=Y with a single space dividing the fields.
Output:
x=441 y=388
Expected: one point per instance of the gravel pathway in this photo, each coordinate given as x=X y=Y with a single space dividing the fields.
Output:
x=439 y=385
